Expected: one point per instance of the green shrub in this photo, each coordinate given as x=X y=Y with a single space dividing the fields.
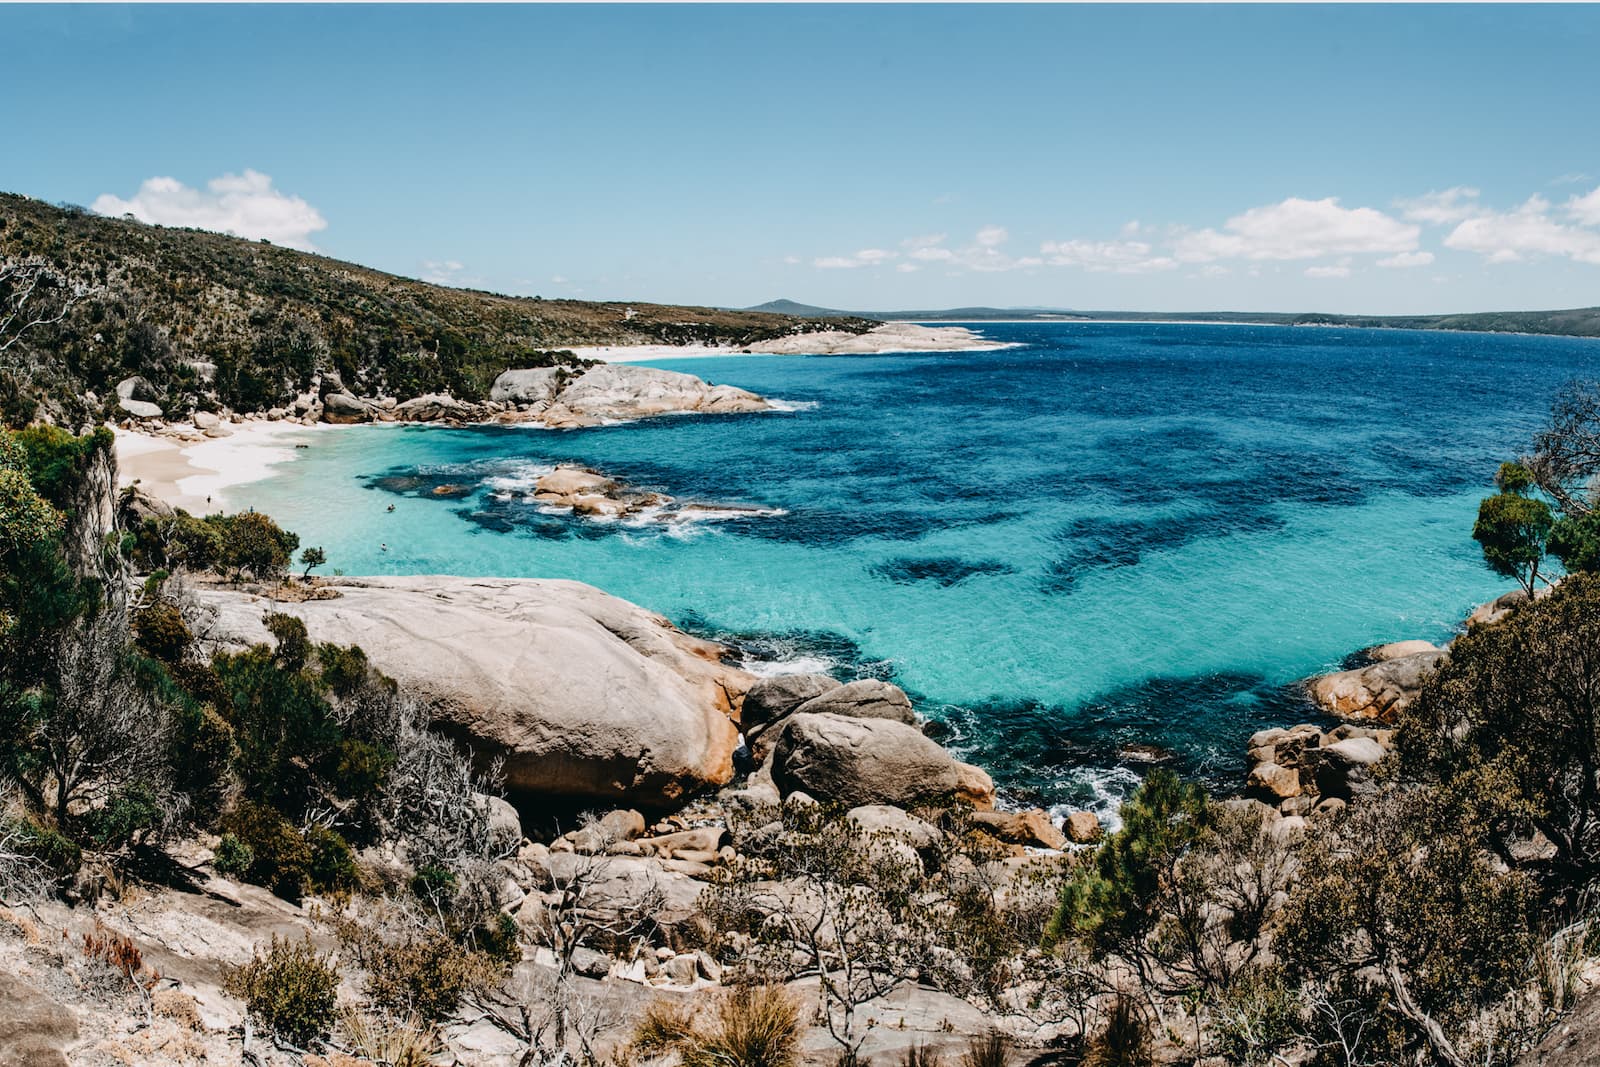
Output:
x=50 y=847
x=289 y=990
x=232 y=857
x=281 y=858
x=129 y=811
x=333 y=866
x=362 y=768
x=161 y=632
x=426 y=974
x=501 y=938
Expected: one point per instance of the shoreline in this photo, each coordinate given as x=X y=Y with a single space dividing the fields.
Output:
x=196 y=474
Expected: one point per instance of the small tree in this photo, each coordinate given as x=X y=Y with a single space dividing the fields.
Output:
x=253 y=542
x=313 y=558
x=1513 y=527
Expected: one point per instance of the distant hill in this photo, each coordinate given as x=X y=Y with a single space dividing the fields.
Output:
x=212 y=320
x=1577 y=322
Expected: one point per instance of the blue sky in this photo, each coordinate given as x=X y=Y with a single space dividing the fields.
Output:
x=1358 y=159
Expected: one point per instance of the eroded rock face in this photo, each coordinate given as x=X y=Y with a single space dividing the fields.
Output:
x=583 y=694
x=868 y=761
x=1380 y=691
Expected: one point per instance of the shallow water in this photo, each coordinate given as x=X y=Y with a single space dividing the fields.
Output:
x=1112 y=534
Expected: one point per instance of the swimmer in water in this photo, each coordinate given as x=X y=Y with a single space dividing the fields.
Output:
x=382 y=547
x=391 y=507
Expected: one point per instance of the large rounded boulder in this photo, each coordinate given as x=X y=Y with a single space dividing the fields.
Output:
x=583 y=695
x=866 y=698
x=854 y=762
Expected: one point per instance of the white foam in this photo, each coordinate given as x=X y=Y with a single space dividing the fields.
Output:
x=521 y=481
x=1110 y=786
x=779 y=668
x=792 y=405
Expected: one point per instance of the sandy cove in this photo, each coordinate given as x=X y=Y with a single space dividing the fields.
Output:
x=191 y=471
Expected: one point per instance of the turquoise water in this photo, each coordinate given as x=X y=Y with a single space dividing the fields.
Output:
x=1110 y=535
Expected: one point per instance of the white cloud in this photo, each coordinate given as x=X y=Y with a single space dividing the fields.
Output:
x=245 y=205
x=1571 y=178
x=1299 y=229
x=1586 y=208
x=1120 y=257
x=1440 y=208
x=1527 y=231
x=1407 y=259
x=867 y=257
x=907 y=268
x=1327 y=272
x=442 y=271
x=927 y=240
x=992 y=236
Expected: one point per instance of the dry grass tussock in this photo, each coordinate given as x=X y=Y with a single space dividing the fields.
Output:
x=750 y=1026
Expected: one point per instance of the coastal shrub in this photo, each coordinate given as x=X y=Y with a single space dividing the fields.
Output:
x=160 y=630
x=1511 y=724
x=282 y=724
x=420 y=971
x=57 y=852
x=280 y=857
x=232 y=856
x=1255 y=1017
x=1111 y=902
x=311 y=559
x=252 y=543
x=1401 y=905
x=289 y=989
x=203 y=754
x=333 y=865
x=126 y=816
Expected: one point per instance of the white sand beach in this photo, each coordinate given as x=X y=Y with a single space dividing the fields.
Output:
x=196 y=474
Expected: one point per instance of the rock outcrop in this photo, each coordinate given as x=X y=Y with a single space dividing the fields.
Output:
x=857 y=762
x=865 y=698
x=1304 y=770
x=583 y=695
x=613 y=392
x=1380 y=691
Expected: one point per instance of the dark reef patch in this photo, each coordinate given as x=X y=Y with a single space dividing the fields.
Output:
x=940 y=570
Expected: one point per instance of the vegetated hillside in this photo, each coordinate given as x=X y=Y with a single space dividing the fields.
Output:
x=1574 y=322
x=172 y=304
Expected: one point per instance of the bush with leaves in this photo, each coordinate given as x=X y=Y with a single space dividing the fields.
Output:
x=289 y=989
x=1400 y=905
x=252 y=543
x=1511 y=725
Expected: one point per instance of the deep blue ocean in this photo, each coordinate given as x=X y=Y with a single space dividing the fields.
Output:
x=1110 y=537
